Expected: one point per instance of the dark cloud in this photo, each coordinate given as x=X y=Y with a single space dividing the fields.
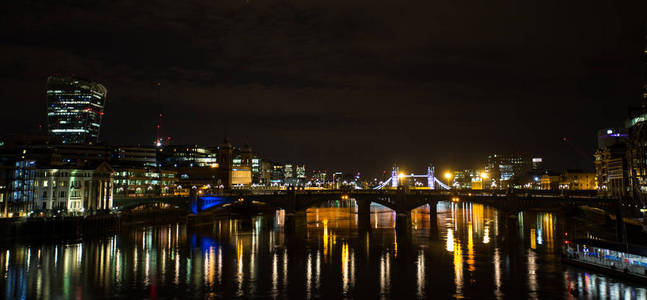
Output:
x=338 y=84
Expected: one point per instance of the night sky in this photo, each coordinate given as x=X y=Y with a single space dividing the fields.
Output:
x=351 y=85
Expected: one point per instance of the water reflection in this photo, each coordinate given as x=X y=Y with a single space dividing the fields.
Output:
x=420 y=273
x=385 y=274
x=456 y=250
x=497 y=274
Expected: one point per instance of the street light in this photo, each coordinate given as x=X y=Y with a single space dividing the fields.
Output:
x=448 y=175
x=484 y=175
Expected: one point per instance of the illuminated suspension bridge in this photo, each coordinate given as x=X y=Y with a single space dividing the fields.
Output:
x=396 y=177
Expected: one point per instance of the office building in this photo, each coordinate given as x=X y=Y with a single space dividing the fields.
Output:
x=507 y=170
x=241 y=172
x=144 y=182
x=319 y=178
x=537 y=164
x=277 y=176
x=188 y=156
x=569 y=180
x=301 y=172
x=637 y=146
x=550 y=181
x=463 y=179
x=610 y=162
x=261 y=171
x=578 y=180
x=288 y=171
x=140 y=156
x=637 y=158
x=74 y=109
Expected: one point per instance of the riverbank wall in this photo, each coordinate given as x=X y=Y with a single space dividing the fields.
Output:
x=82 y=226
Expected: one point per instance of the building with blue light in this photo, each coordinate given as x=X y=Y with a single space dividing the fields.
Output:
x=74 y=109
x=611 y=167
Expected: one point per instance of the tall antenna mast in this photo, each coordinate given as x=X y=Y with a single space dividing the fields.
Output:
x=159 y=140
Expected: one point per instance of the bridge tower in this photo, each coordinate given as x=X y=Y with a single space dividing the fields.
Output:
x=431 y=179
x=394 y=176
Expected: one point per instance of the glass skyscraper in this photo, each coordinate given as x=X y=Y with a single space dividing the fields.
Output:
x=74 y=109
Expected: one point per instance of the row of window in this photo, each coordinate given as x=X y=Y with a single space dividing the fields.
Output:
x=62 y=174
x=62 y=194
x=141 y=182
x=146 y=174
x=73 y=184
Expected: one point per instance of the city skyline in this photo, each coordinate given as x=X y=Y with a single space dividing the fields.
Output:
x=323 y=149
x=447 y=96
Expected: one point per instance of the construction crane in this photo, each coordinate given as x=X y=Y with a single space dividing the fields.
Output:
x=577 y=149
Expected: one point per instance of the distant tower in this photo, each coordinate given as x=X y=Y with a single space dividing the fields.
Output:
x=226 y=161
x=246 y=156
x=431 y=179
x=75 y=109
x=394 y=176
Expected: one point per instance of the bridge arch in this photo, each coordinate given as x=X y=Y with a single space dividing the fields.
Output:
x=131 y=203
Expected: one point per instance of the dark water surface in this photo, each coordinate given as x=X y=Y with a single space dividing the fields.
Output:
x=473 y=252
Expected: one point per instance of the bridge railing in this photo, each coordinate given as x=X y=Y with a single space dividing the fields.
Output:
x=584 y=194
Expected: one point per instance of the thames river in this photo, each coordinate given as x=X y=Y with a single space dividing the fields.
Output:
x=467 y=251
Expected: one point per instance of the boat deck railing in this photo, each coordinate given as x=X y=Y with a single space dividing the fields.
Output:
x=616 y=265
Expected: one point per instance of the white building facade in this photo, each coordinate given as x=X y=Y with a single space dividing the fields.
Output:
x=73 y=191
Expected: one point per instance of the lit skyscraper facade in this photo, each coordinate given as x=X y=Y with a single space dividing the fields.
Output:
x=74 y=109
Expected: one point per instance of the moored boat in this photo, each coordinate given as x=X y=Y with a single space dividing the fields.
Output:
x=622 y=260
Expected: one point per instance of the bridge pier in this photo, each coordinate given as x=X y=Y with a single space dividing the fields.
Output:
x=403 y=222
x=363 y=214
x=296 y=226
x=402 y=212
x=193 y=205
x=291 y=206
x=433 y=221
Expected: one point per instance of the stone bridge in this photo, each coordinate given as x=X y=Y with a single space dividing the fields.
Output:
x=402 y=200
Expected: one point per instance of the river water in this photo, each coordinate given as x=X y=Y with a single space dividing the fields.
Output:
x=468 y=251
